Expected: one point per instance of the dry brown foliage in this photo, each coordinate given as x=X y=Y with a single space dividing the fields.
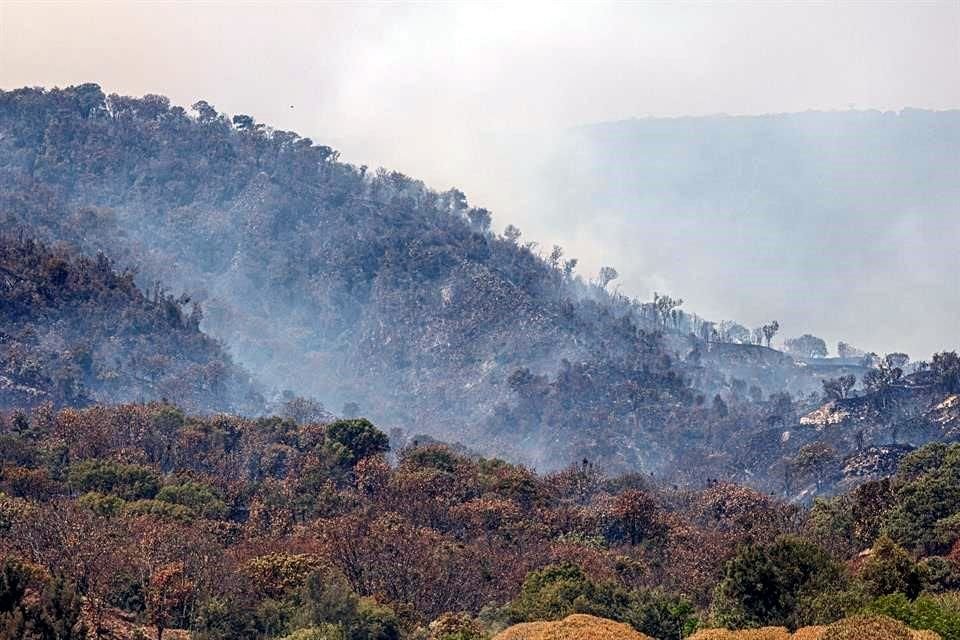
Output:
x=871 y=628
x=766 y=633
x=574 y=627
x=874 y=628
x=855 y=628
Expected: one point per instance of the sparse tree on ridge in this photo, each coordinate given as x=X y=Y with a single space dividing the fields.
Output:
x=666 y=307
x=806 y=346
x=897 y=360
x=480 y=220
x=847 y=350
x=881 y=379
x=770 y=330
x=555 y=255
x=839 y=388
x=733 y=332
x=946 y=369
x=607 y=275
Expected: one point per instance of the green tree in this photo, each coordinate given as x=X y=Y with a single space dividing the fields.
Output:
x=13 y=585
x=926 y=490
x=839 y=388
x=102 y=504
x=55 y=615
x=940 y=614
x=806 y=346
x=348 y=441
x=556 y=591
x=195 y=495
x=767 y=585
x=127 y=481
x=946 y=371
x=890 y=569
x=327 y=599
x=59 y=616
x=661 y=615
x=815 y=458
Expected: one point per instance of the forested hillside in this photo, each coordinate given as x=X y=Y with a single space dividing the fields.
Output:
x=331 y=280
x=73 y=332
x=116 y=522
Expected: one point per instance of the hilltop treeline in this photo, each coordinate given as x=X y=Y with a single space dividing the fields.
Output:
x=143 y=516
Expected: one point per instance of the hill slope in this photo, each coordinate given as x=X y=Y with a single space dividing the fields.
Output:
x=331 y=280
x=73 y=332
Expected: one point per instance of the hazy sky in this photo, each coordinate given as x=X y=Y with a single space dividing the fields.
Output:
x=424 y=88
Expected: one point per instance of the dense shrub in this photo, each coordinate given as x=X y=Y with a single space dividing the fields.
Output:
x=557 y=591
x=322 y=632
x=348 y=441
x=327 y=599
x=936 y=613
x=160 y=509
x=126 y=481
x=198 y=497
x=890 y=569
x=927 y=491
x=774 y=584
x=54 y=613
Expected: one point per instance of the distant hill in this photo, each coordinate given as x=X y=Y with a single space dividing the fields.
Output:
x=772 y=216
